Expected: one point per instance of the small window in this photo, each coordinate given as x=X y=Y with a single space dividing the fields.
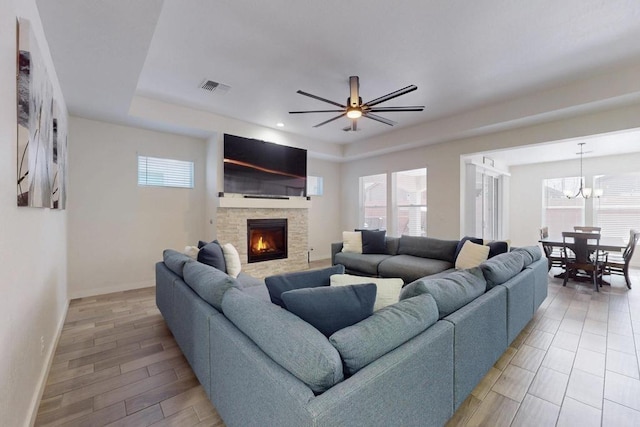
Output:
x=156 y=172
x=315 y=186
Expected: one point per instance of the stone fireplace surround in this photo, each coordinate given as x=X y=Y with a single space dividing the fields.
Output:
x=231 y=225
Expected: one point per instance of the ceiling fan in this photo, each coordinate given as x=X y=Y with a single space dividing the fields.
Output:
x=355 y=108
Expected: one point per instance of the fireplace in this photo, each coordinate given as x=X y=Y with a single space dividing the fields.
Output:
x=266 y=239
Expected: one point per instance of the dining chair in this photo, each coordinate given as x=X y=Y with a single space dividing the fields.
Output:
x=553 y=253
x=618 y=263
x=587 y=229
x=587 y=256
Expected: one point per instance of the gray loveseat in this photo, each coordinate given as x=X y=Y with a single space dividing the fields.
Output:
x=407 y=257
x=262 y=365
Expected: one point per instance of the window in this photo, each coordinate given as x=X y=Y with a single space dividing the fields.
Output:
x=156 y=172
x=618 y=210
x=410 y=202
x=558 y=212
x=315 y=185
x=373 y=201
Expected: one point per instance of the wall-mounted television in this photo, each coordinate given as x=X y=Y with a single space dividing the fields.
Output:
x=259 y=168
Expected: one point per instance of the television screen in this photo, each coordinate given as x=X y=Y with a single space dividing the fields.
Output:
x=255 y=167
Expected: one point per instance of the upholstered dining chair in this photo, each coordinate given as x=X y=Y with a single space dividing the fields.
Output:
x=553 y=253
x=618 y=263
x=588 y=256
x=587 y=229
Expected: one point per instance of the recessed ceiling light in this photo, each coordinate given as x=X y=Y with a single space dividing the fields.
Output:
x=280 y=124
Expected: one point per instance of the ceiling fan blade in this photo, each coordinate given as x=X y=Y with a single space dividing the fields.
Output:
x=390 y=109
x=321 y=99
x=378 y=119
x=330 y=120
x=354 y=96
x=391 y=95
x=316 y=111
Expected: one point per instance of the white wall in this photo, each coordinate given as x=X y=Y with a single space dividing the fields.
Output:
x=444 y=206
x=526 y=188
x=33 y=248
x=117 y=230
x=325 y=212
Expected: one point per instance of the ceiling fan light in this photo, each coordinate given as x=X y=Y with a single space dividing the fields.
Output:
x=354 y=113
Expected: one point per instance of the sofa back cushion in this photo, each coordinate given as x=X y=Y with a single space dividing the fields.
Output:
x=175 y=260
x=450 y=292
x=331 y=308
x=383 y=331
x=529 y=253
x=502 y=267
x=280 y=283
x=208 y=282
x=290 y=341
x=427 y=247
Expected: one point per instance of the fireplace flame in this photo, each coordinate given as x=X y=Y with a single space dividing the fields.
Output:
x=261 y=246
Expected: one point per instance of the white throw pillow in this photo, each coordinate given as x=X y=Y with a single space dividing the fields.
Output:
x=388 y=289
x=232 y=259
x=352 y=241
x=191 y=251
x=471 y=255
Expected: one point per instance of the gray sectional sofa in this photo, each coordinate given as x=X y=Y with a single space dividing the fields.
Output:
x=409 y=364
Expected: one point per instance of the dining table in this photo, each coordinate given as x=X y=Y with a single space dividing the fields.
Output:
x=607 y=244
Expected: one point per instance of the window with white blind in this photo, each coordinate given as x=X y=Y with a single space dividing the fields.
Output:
x=410 y=202
x=158 y=172
x=558 y=212
x=373 y=201
x=618 y=210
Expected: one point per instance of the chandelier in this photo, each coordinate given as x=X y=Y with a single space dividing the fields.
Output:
x=585 y=192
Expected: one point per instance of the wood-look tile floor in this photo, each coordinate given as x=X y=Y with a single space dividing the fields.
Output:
x=575 y=364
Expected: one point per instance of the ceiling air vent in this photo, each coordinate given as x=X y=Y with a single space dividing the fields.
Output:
x=211 y=86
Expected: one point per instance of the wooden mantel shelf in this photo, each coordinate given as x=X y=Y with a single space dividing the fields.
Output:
x=266 y=203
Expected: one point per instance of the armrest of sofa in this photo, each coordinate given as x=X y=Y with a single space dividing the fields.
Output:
x=335 y=248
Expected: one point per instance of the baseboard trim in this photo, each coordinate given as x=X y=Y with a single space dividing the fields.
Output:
x=42 y=383
x=84 y=293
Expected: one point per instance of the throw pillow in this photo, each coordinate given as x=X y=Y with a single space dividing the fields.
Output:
x=373 y=242
x=352 y=241
x=497 y=247
x=471 y=255
x=462 y=241
x=191 y=251
x=330 y=309
x=232 y=260
x=388 y=289
x=384 y=331
x=211 y=254
x=279 y=283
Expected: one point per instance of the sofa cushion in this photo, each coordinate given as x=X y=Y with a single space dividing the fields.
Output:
x=331 y=308
x=471 y=255
x=410 y=268
x=280 y=283
x=529 y=253
x=288 y=340
x=352 y=241
x=450 y=292
x=373 y=242
x=208 y=282
x=175 y=261
x=388 y=290
x=427 y=247
x=502 y=267
x=362 y=263
x=384 y=331
x=476 y=240
x=211 y=254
